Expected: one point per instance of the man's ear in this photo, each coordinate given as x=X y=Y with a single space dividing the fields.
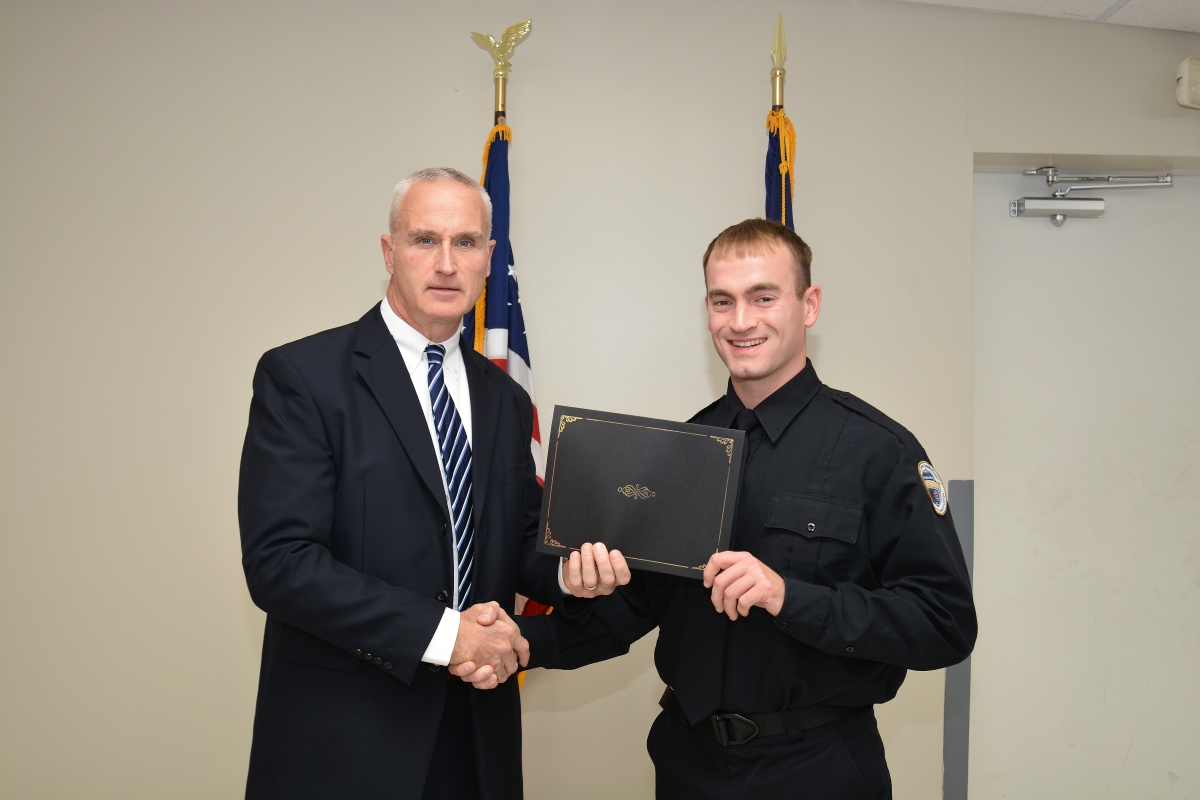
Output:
x=385 y=243
x=812 y=305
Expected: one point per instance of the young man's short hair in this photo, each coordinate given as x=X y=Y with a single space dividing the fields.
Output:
x=754 y=237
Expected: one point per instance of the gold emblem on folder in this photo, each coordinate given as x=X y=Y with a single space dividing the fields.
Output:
x=635 y=491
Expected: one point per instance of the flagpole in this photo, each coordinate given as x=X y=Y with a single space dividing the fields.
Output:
x=510 y=349
x=501 y=98
x=778 y=55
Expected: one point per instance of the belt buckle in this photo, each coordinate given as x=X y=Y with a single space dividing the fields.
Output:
x=721 y=728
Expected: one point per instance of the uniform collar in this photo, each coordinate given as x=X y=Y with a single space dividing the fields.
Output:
x=779 y=409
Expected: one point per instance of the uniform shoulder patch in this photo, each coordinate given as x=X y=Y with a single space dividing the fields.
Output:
x=934 y=487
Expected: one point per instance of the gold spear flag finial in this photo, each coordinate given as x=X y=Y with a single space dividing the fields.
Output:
x=779 y=45
x=778 y=56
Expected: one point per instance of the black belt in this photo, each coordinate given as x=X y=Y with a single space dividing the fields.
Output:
x=733 y=729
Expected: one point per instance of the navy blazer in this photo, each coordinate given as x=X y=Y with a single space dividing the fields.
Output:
x=344 y=544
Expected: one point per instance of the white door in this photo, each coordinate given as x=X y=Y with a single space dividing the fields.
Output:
x=1086 y=676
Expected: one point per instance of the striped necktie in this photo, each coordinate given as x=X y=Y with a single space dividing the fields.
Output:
x=456 y=464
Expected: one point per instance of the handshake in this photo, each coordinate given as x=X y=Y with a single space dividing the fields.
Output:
x=490 y=648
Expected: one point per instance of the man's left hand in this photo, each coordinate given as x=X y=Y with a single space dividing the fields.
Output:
x=739 y=581
x=594 y=571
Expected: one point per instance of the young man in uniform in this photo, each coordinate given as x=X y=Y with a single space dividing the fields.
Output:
x=844 y=569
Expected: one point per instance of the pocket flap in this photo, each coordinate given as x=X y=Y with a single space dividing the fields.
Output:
x=813 y=515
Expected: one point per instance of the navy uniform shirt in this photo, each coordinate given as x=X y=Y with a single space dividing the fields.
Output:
x=832 y=499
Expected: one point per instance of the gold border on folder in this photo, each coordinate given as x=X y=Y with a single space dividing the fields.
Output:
x=724 y=441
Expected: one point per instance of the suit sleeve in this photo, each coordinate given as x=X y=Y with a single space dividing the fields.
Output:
x=538 y=575
x=922 y=615
x=286 y=495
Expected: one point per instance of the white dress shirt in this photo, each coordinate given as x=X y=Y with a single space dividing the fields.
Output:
x=412 y=346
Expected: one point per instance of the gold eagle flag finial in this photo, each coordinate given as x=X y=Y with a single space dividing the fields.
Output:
x=502 y=49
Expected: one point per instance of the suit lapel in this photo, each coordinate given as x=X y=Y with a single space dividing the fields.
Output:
x=485 y=416
x=386 y=375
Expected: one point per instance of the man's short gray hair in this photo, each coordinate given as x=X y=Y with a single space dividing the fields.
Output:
x=436 y=174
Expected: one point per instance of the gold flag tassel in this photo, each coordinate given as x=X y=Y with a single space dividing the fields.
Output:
x=480 y=310
x=779 y=124
x=505 y=133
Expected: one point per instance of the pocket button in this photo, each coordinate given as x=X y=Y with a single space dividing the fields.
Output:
x=850 y=649
x=812 y=526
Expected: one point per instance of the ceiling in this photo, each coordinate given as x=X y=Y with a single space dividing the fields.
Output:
x=1175 y=15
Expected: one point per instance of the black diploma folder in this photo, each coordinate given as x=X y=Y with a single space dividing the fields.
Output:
x=663 y=493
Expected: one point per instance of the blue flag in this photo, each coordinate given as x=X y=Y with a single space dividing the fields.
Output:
x=781 y=147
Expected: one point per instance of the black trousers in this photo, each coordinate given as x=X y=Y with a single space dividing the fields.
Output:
x=452 y=774
x=839 y=761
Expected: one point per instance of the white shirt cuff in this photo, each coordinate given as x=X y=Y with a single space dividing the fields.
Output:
x=561 y=583
x=441 y=646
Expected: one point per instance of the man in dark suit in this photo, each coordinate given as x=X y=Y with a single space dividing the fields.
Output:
x=387 y=504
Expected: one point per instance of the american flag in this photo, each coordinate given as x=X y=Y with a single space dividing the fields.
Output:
x=496 y=323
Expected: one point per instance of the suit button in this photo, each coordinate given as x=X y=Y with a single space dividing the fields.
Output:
x=443 y=596
x=784 y=624
x=379 y=661
x=367 y=656
x=357 y=652
x=850 y=649
x=433 y=667
x=387 y=665
x=443 y=527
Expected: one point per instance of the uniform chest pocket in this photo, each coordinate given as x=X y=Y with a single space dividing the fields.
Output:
x=828 y=534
